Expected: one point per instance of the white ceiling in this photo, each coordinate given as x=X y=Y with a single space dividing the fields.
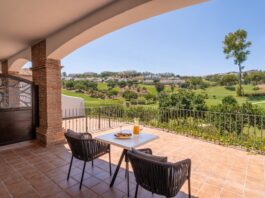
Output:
x=24 y=22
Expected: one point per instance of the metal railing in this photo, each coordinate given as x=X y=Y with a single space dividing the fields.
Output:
x=92 y=119
x=245 y=131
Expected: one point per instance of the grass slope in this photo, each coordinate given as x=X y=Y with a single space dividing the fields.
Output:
x=89 y=101
x=215 y=95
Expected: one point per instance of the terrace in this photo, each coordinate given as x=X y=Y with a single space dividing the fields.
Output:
x=217 y=171
x=31 y=110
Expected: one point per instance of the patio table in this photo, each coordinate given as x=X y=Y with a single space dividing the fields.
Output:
x=127 y=145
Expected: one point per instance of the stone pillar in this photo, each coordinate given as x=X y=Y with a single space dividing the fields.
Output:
x=5 y=67
x=47 y=76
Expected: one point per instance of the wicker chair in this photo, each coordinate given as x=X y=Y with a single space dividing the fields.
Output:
x=85 y=148
x=157 y=175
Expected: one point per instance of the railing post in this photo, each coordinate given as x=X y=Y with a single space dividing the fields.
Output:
x=109 y=118
x=99 y=116
x=255 y=125
x=86 y=121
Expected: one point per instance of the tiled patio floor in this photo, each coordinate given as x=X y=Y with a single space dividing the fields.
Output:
x=217 y=171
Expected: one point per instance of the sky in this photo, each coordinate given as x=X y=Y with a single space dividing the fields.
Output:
x=185 y=42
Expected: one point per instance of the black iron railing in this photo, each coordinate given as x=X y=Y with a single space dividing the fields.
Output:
x=245 y=131
x=92 y=119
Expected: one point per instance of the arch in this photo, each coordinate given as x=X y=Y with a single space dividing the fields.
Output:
x=108 y=19
x=16 y=62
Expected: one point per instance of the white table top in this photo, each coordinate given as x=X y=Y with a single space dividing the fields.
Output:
x=129 y=143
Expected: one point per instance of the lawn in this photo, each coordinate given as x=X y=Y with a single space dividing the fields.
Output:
x=89 y=101
x=217 y=93
x=214 y=95
x=150 y=88
x=102 y=86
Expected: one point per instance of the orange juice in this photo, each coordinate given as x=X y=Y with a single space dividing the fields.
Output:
x=136 y=129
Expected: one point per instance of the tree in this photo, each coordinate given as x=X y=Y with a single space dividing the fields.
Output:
x=70 y=84
x=111 y=84
x=229 y=80
x=257 y=77
x=90 y=85
x=229 y=101
x=172 y=87
x=128 y=95
x=236 y=46
x=199 y=103
x=80 y=86
x=122 y=84
x=159 y=87
x=150 y=97
x=112 y=93
x=164 y=100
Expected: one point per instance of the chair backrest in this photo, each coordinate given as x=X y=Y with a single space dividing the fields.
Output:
x=153 y=175
x=79 y=144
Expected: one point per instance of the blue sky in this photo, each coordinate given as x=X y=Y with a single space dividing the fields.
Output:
x=185 y=42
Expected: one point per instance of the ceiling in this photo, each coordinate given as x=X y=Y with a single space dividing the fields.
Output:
x=23 y=23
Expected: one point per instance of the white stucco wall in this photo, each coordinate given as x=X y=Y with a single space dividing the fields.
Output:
x=72 y=106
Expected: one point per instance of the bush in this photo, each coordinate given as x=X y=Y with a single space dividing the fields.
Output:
x=133 y=101
x=253 y=94
x=229 y=100
x=141 y=101
x=150 y=96
x=230 y=88
x=128 y=95
x=159 y=87
x=138 y=101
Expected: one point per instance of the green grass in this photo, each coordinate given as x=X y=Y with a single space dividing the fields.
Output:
x=89 y=101
x=217 y=93
x=150 y=88
x=102 y=86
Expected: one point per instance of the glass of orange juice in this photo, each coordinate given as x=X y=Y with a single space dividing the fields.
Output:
x=136 y=127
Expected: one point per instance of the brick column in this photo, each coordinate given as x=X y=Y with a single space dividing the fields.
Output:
x=47 y=75
x=5 y=67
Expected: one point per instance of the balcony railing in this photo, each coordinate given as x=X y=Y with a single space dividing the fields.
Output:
x=244 y=131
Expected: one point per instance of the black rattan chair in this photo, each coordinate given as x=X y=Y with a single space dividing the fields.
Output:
x=158 y=176
x=85 y=148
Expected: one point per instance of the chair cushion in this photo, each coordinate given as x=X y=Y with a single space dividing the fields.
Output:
x=148 y=156
x=74 y=135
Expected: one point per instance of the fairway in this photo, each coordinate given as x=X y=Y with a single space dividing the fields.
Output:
x=89 y=101
x=214 y=95
x=217 y=93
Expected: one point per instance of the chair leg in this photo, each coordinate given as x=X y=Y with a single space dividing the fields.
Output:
x=84 y=167
x=70 y=167
x=189 y=187
x=110 y=171
x=92 y=163
x=127 y=175
x=136 y=191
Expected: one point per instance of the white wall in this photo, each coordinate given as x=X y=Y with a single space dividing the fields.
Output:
x=72 y=106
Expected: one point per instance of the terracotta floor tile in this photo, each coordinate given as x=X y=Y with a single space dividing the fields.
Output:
x=100 y=188
x=208 y=189
x=59 y=195
x=229 y=194
x=113 y=193
x=254 y=194
x=35 y=171
x=67 y=183
x=75 y=191
x=91 y=181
